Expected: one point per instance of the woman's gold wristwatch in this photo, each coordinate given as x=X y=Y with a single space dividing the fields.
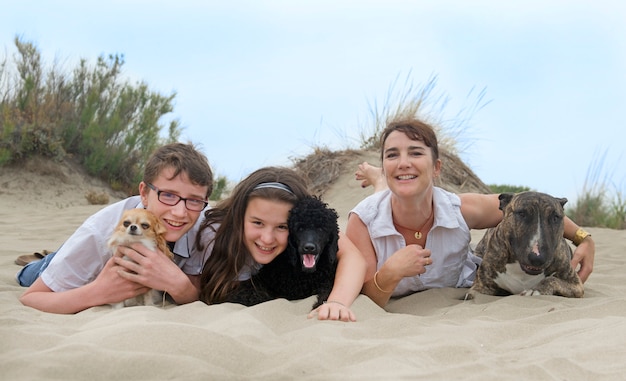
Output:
x=580 y=235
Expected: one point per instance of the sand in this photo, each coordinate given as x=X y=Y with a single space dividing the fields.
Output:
x=433 y=335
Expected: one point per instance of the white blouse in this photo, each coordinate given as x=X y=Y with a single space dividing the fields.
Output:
x=453 y=263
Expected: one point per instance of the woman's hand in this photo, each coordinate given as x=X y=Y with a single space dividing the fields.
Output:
x=584 y=256
x=408 y=262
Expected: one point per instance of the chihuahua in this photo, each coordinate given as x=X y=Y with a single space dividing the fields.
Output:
x=140 y=226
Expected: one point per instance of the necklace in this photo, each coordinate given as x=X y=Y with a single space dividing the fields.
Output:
x=418 y=233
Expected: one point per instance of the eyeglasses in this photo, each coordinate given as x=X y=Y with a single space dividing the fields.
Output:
x=171 y=199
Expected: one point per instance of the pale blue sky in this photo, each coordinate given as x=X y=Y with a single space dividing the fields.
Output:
x=260 y=82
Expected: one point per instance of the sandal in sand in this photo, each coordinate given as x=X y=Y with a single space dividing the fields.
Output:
x=25 y=259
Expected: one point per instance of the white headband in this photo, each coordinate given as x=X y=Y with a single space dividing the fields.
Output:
x=273 y=185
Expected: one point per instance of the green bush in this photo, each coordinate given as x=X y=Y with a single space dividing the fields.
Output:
x=597 y=205
x=502 y=188
x=219 y=189
x=107 y=124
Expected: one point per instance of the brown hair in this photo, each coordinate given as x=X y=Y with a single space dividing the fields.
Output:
x=229 y=254
x=415 y=129
x=183 y=158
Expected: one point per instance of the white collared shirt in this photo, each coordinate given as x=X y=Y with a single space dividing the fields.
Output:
x=83 y=255
x=453 y=263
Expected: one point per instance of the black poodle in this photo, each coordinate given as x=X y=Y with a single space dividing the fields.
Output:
x=306 y=267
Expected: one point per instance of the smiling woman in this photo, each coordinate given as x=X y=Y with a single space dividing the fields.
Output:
x=415 y=235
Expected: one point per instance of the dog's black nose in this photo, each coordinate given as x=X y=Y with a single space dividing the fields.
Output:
x=133 y=228
x=309 y=247
x=537 y=259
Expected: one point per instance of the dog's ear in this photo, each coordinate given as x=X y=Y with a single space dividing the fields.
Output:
x=334 y=247
x=156 y=225
x=159 y=228
x=291 y=251
x=562 y=201
x=505 y=198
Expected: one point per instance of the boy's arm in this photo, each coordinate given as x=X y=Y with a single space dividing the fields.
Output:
x=107 y=288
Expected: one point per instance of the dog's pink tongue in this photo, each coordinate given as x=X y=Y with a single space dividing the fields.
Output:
x=308 y=260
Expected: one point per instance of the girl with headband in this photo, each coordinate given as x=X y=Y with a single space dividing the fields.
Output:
x=249 y=229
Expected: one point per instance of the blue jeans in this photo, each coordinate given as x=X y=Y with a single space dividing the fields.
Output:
x=29 y=273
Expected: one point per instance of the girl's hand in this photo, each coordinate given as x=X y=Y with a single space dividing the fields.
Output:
x=332 y=310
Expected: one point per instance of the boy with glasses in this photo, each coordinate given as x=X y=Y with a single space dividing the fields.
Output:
x=83 y=273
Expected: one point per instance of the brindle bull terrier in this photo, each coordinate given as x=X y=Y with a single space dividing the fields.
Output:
x=526 y=253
